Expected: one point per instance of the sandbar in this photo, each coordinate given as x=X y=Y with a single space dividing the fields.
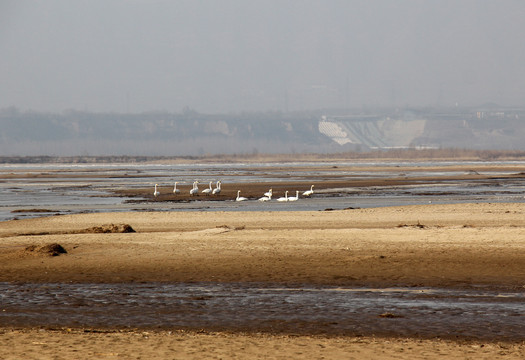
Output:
x=455 y=245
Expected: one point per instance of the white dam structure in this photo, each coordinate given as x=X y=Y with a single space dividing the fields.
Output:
x=372 y=131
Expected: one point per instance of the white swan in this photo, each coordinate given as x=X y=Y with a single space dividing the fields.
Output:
x=285 y=198
x=294 y=198
x=266 y=198
x=175 y=190
x=156 y=192
x=240 y=198
x=268 y=193
x=217 y=189
x=195 y=189
x=309 y=192
x=208 y=190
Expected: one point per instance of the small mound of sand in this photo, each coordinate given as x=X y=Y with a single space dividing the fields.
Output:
x=472 y=172
x=50 y=249
x=389 y=316
x=109 y=228
x=213 y=231
x=418 y=225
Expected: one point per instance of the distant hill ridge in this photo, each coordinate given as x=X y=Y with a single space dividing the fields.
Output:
x=194 y=134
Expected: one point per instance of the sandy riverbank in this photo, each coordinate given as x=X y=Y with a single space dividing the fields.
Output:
x=75 y=344
x=434 y=245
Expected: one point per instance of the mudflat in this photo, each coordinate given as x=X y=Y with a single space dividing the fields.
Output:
x=456 y=246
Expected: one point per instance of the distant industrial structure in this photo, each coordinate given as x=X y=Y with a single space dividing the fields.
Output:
x=420 y=129
x=372 y=131
x=192 y=133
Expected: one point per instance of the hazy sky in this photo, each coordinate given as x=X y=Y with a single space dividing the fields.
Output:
x=251 y=55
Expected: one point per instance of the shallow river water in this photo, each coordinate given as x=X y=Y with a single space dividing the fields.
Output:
x=425 y=312
x=90 y=188
x=419 y=312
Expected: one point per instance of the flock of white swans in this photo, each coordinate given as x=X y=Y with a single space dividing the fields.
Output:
x=267 y=196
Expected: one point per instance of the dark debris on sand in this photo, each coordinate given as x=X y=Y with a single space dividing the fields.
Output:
x=49 y=249
x=109 y=228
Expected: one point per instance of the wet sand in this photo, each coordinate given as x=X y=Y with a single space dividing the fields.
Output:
x=456 y=246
